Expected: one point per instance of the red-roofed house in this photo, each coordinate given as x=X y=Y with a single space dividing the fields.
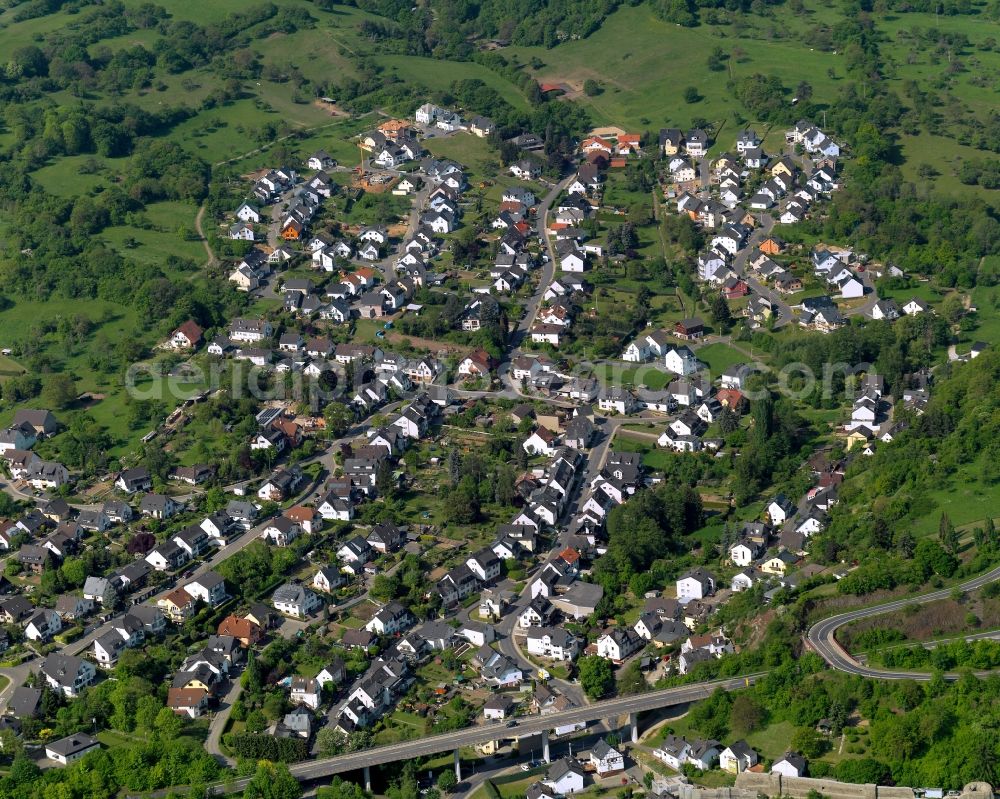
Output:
x=597 y=144
x=187 y=336
x=735 y=290
x=628 y=143
x=731 y=398
x=307 y=518
x=476 y=363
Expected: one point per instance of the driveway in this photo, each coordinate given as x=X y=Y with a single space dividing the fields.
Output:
x=218 y=723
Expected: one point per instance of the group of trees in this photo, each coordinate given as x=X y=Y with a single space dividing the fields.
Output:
x=648 y=527
x=158 y=755
x=932 y=733
x=481 y=478
x=953 y=440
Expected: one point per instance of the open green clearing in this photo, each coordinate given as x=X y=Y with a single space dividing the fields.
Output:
x=644 y=65
x=9 y=367
x=719 y=357
x=439 y=75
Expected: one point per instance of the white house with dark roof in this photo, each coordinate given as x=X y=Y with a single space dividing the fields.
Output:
x=67 y=674
x=605 y=759
x=695 y=584
x=738 y=757
x=71 y=748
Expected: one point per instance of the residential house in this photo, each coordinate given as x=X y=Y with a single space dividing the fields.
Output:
x=391 y=619
x=295 y=600
x=738 y=757
x=305 y=691
x=553 y=643
x=565 y=777
x=72 y=748
x=618 y=643
x=178 y=605
x=328 y=579
x=67 y=674
x=210 y=588
x=158 y=506
x=281 y=531
x=695 y=583
x=790 y=765
x=190 y=702
x=605 y=759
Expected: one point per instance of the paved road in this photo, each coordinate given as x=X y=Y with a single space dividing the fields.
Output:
x=548 y=269
x=507 y=627
x=761 y=232
x=17 y=675
x=422 y=747
x=218 y=723
x=822 y=636
x=388 y=264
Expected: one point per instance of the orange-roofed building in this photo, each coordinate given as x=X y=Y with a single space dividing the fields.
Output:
x=190 y=702
x=394 y=128
x=730 y=398
x=292 y=231
x=178 y=605
x=289 y=429
x=187 y=336
x=597 y=144
x=629 y=144
x=305 y=517
x=245 y=631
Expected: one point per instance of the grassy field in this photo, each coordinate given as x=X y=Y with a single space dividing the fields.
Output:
x=719 y=357
x=438 y=75
x=171 y=224
x=9 y=367
x=965 y=498
x=69 y=177
x=644 y=65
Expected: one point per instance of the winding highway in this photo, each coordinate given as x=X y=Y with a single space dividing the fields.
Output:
x=822 y=636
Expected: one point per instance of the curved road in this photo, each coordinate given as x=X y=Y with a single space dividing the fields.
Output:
x=822 y=636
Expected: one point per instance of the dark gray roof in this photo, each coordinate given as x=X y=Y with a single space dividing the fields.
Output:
x=24 y=702
x=72 y=744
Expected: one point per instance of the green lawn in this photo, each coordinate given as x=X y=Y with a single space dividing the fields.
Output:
x=170 y=225
x=774 y=740
x=922 y=291
x=9 y=367
x=965 y=498
x=649 y=375
x=644 y=65
x=720 y=357
x=70 y=176
x=438 y=75
x=469 y=150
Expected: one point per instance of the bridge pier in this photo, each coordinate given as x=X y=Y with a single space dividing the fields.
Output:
x=633 y=723
x=458 y=767
x=368 y=779
x=545 y=746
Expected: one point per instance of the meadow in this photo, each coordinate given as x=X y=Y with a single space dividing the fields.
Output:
x=644 y=64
